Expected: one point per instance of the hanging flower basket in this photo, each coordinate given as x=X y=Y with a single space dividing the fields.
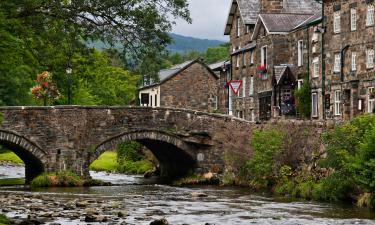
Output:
x=262 y=68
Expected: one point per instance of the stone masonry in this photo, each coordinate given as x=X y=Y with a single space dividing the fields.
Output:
x=72 y=137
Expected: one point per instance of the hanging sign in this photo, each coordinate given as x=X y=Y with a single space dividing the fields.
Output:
x=235 y=85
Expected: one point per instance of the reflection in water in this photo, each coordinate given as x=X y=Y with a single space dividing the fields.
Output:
x=145 y=202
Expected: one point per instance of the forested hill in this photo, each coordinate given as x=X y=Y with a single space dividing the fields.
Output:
x=183 y=44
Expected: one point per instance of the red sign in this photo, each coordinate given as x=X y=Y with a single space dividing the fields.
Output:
x=235 y=85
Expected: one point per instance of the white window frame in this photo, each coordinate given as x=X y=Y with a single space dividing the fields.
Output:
x=370 y=15
x=337 y=63
x=263 y=55
x=238 y=27
x=237 y=61
x=354 y=61
x=370 y=100
x=252 y=57
x=251 y=89
x=300 y=52
x=337 y=102
x=337 y=22
x=316 y=67
x=216 y=102
x=243 y=87
x=353 y=19
x=244 y=59
x=314 y=105
x=300 y=83
x=370 y=55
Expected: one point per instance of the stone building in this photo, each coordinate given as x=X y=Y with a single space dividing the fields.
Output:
x=222 y=70
x=349 y=50
x=271 y=54
x=191 y=85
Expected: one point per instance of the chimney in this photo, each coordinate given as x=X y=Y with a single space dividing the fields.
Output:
x=272 y=6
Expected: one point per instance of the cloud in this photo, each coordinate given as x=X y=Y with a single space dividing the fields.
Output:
x=209 y=19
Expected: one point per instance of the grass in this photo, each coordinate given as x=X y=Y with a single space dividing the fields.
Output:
x=4 y=220
x=12 y=182
x=60 y=179
x=108 y=162
x=10 y=157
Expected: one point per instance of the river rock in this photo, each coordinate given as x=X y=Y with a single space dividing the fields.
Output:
x=198 y=195
x=91 y=211
x=95 y=218
x=160 y=222
x=82 y=204
x=122 y=214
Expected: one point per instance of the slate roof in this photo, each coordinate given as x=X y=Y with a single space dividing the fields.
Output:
x=249 y=46
x=283 y=22
x=283 y=70
x=250 y=9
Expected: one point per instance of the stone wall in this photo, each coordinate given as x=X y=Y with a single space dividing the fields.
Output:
x=195 y=88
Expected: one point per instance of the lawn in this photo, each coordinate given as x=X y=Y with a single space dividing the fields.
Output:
x=10 y=157
x=108 y=162
x=12 y=182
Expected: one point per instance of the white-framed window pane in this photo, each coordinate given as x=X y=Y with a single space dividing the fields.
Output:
x=370 y=58
x=354 y=61
x=336 y=22
x=263 y=56
x=252 y=57
x=244 y=59
x=353 y=19
x=337 y=64
x=314 y=104
x=238 y=26
x=316 y=67
x=337 y=103
x=237 y=61
x=244 y=87
x=251 y=89
x=371 y=100
x=370 y=15
x=299 y=84
x=300 y=52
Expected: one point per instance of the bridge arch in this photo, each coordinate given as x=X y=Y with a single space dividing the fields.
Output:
x=174 y=155
x=31 y=154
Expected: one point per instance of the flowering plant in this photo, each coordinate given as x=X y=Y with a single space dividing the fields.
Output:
x=45 y=89
x=262 y=68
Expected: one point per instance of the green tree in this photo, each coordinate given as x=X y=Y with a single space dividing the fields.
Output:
x=216 y=54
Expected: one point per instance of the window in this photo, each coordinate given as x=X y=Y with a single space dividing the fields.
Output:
x=354 y=61
x=371 y=99
x=145 y=99
x=251 y=89
x=244 y=59
x=252 y=57
x=216 y=102
x=263 y=56
x=238 y=26
x=316 y=67
x=353 y=19
x=370 y=59
x=300 y=53
x=244 y=87
x=156 y=100
x=337 y=103
x=337 y=64
x=299 y=83
x=314 y=100
x=247 y=29
x=336 y=22
x=237 y=61
x=370 y=15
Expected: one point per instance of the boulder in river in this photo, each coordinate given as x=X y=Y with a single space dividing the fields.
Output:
x=160 y=222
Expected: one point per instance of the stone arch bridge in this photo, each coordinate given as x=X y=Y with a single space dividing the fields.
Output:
x=72 y=137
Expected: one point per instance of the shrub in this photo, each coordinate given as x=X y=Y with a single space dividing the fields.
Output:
x=129 y=151
x=59 y=179
x=303 y=96
x=262 y=168
x=285 y=188
x=333 y=188
x=138 y=167
x=1 y=118
x=4 y=220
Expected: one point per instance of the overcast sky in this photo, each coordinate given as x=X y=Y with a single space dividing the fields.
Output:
x=209 y=19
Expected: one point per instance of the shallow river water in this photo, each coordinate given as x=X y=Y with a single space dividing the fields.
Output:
x=145 y=202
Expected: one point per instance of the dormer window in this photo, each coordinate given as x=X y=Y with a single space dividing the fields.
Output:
x=337 y=22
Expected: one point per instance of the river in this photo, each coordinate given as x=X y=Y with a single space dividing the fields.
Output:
x=139 y=201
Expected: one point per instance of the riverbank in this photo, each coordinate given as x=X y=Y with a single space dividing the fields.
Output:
x=303 y=162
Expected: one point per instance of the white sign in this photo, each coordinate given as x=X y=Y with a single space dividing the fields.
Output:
x=235 y=85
